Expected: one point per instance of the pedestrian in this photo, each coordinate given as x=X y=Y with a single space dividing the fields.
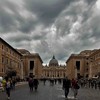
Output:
x=75 y=87
x=36 y=83
x=4 y=84
x=8 y=88
x=66 y=86
x=31 y=83
x=99 y=85
x=13 y=83
x=44 y=81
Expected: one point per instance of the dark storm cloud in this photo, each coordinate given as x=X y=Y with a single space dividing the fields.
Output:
x=51 y=27
x=18 y=37
x=47 y=10
x=90 y=1
x=78 y=25
x=12 y=18
x=6 y=21
x=26 y=26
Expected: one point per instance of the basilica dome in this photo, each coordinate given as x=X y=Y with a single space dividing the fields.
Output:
x=53 y=62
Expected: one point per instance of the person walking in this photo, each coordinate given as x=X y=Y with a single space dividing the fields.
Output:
x=4 y=84
x=36 y=83
x=8 y=88
x=66 y=86
x=75 y=87
x=31 y=83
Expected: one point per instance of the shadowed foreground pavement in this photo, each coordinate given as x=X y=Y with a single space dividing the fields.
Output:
x=47 y=92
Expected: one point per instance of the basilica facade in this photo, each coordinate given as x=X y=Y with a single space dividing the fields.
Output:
x=53 y=69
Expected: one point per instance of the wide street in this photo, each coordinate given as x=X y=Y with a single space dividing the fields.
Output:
x=47 y=92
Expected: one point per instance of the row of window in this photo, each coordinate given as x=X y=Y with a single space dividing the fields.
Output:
x=95 y=57
x=10 y=62
x=8 y=50
x=54 y=75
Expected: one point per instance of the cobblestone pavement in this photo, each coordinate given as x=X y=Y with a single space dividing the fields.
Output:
x=47 y=92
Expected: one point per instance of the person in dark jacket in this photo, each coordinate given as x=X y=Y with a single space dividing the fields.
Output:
x=31 y=83
x=66 y=86
x=36 y=83
x=8 y=84
x=75 y=86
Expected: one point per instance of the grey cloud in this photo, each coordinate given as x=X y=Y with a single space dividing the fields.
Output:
x=90 y=1
x=38 y=36
x=47 y=11
x=19 y=38
x=27 y=25
x=44 y=47
x=23 y=45
x=87 y=32
x=6 y=21
x=95 y=25
x=61 y=27
x=11 y=22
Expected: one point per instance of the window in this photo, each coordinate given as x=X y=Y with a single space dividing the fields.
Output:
x=31 y=65
x=87 y=58
x=7 y=61
x=6 y=49
x=78 y=65
x=2 y=46
x=78 y=75
x=87 y=63
x=2 y=69
x=2 y=60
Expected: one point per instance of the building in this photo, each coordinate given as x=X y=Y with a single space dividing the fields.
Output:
x=83 y=65
x=21 y=63
x=32 y=64
x=10 y=60
x=18 y=62
x=54 y=70
x=94 y=64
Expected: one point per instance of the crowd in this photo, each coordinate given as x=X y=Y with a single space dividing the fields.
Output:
x=8 y=84
x=91 y=83
x=74 y=84
x=33 y=83
x=67 y=83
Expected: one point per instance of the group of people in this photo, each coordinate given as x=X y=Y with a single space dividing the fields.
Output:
x=67 y=84
x=33 y=83
x=8 y=84
x=91 y=83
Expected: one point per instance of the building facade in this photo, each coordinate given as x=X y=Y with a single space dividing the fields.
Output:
x=83 y=65
x=94 y=64
x=32 y=64
x=21 y=63
x=10 y=60
x=18 y=62
x=54 y=70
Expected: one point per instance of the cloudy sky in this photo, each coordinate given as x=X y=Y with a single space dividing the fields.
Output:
x=51 y=27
